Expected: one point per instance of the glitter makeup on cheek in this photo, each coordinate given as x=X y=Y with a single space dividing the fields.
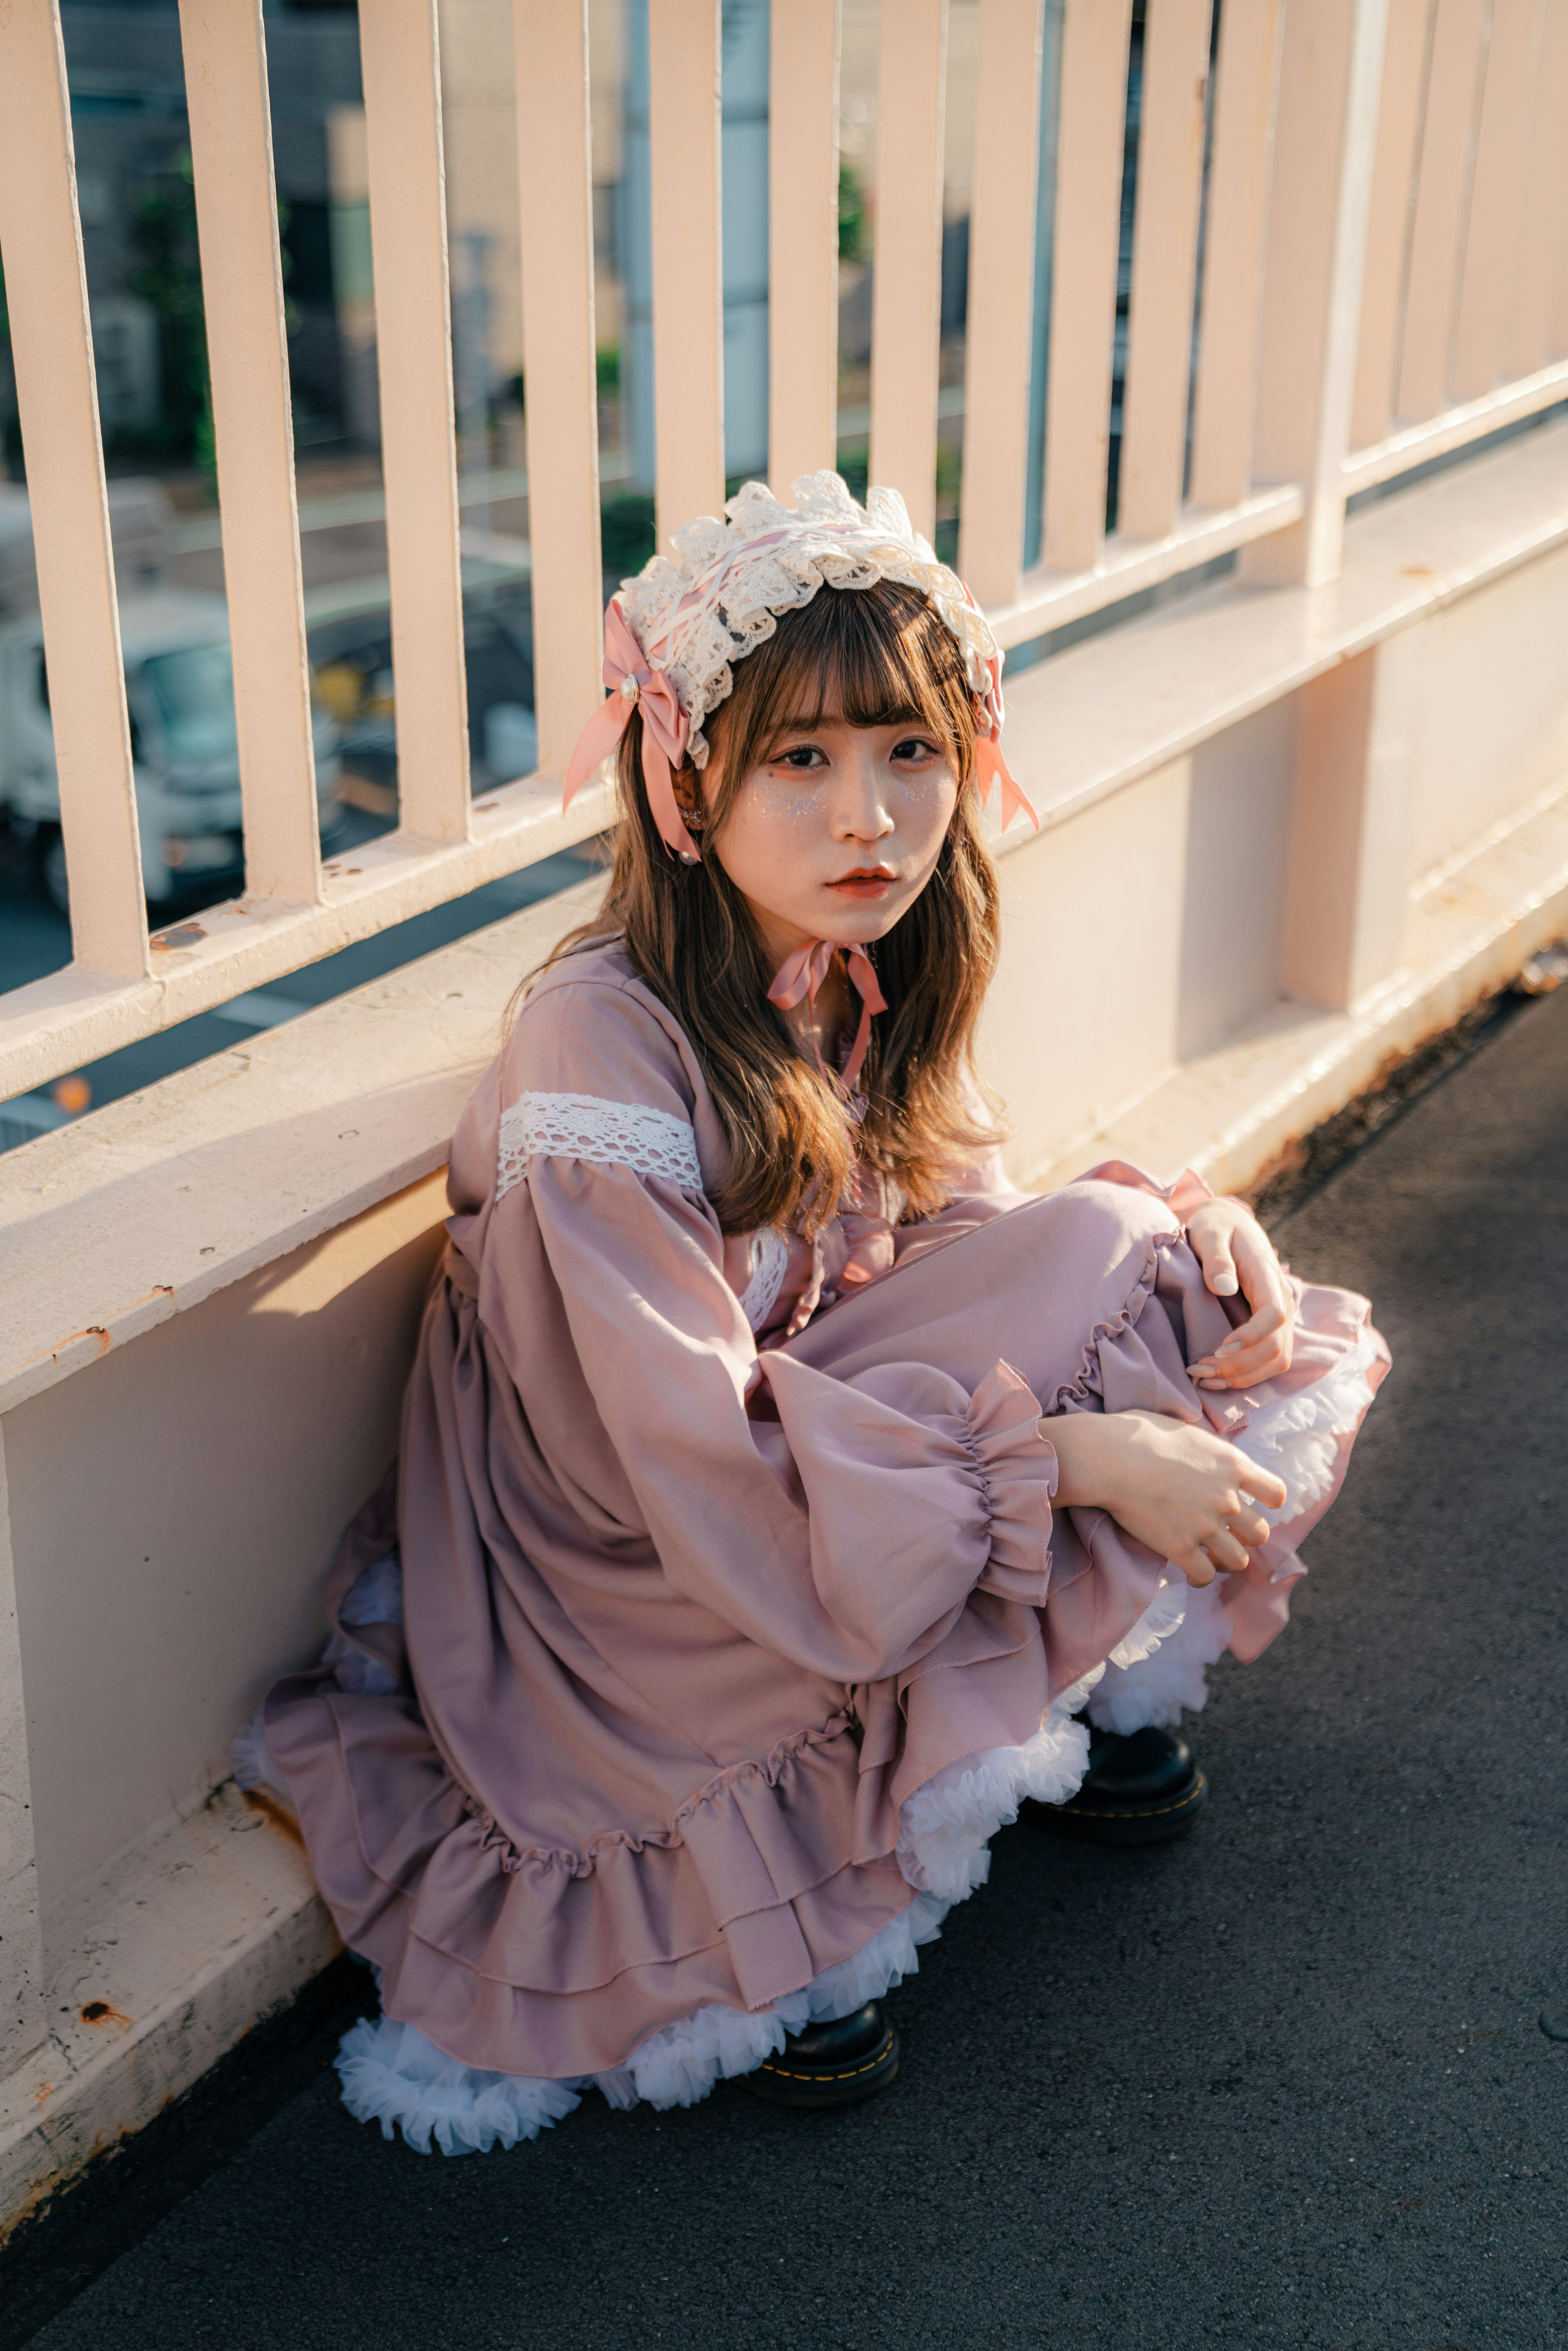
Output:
x=792 y=801
x=925 y=790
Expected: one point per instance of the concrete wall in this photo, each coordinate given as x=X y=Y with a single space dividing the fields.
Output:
x=173 y=1511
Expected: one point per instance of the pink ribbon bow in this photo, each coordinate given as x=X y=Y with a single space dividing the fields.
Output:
x=800 y=976
x=634 y=685
x=991 y=766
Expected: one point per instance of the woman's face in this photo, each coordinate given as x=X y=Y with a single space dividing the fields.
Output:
x=837 y=832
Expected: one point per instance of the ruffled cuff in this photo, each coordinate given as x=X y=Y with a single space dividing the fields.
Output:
x=1018 y=1471
x=1188 y=1192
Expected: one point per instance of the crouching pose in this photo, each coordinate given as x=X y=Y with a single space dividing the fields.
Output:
x=783 y=1499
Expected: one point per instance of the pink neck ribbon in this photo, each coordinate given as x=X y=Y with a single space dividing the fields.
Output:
x=634 y=685
x=800 y=974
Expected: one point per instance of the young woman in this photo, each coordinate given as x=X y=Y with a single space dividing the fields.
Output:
x=779 y=1488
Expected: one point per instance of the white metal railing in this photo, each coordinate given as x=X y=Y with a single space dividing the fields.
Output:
x=1375 y=193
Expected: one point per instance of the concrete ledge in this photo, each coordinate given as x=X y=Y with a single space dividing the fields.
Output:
x=111 y=1227
x=200 y=1934
x=1095 y=718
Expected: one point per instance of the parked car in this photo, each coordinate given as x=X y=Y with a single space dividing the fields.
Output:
x=178 y=686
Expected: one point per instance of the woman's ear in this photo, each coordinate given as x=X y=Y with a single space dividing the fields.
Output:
x=694 y=793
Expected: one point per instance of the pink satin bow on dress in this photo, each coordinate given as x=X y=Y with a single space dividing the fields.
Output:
x=799 y=976
x=633 y=686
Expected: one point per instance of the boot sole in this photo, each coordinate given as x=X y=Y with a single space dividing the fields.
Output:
x=1126 y=1824
x=783 y=2084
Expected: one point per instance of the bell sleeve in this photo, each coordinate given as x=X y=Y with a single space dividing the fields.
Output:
x=849 y=1533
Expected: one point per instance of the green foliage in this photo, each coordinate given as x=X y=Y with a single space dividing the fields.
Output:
x=168 y=275
x=607 y=367
x=854 y=464
x=625 y=533
x=852 y=214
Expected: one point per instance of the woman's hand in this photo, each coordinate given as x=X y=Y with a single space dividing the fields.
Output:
x=1181 y=1490
x=1235 y=1251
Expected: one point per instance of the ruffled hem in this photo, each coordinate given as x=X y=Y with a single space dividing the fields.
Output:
x=1168 y=1673
x=946 y=1826
x=254 y=1765
x=392 y=2075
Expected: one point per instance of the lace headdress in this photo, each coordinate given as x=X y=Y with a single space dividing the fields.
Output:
x=672 y=635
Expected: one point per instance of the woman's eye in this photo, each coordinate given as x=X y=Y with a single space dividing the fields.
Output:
x=914 y=746
x=801 y=761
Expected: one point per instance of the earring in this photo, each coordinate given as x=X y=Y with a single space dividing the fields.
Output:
x=688 y=857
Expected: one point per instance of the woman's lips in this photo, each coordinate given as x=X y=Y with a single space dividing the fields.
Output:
x=869 y=882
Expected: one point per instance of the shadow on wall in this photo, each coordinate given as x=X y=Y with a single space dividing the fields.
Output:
x=1233 y=897
x=230 y=1447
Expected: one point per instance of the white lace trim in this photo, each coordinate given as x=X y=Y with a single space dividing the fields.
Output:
x=718 y=600
x=770 y=1264
x=605 y=1133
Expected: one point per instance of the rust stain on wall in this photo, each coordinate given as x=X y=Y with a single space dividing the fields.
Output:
x=99 y=2012
x=278 y=1815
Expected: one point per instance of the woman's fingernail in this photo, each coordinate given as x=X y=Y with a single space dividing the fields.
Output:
x=1224 y=1285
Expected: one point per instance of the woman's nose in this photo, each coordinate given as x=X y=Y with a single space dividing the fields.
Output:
x=861 y=813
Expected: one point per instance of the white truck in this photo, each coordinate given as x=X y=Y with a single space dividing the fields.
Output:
x=179 y=691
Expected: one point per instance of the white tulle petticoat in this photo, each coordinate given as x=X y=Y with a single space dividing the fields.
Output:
x=392 y=2074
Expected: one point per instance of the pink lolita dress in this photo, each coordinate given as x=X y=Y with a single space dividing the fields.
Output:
x=718 y=1614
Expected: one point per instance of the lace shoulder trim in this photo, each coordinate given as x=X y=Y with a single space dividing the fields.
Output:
x=605 y=1133
x=770 y=1263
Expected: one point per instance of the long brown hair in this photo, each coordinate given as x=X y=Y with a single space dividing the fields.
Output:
x=878 y=656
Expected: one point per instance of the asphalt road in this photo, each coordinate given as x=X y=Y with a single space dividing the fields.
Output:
x=1283 y=2084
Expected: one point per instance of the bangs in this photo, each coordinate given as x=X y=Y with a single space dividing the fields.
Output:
x=874 y=656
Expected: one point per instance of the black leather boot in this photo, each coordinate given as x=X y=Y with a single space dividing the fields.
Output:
x=1142 y=1789
x=830 y=2065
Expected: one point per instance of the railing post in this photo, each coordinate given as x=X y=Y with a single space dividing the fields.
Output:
x=1326 y=134
x=1165 y=263
x=555 y=166
x=401 y=53
x=252 y=426
x=1001 y=286
x=1400 y=108
x=23 y=2020
x=684 y=70
x=1091 y=117
x=51 y=344
x=1498 y=184
x=907 y=258
x=802 y=241
x=1541 y=265
x=1248 y=72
